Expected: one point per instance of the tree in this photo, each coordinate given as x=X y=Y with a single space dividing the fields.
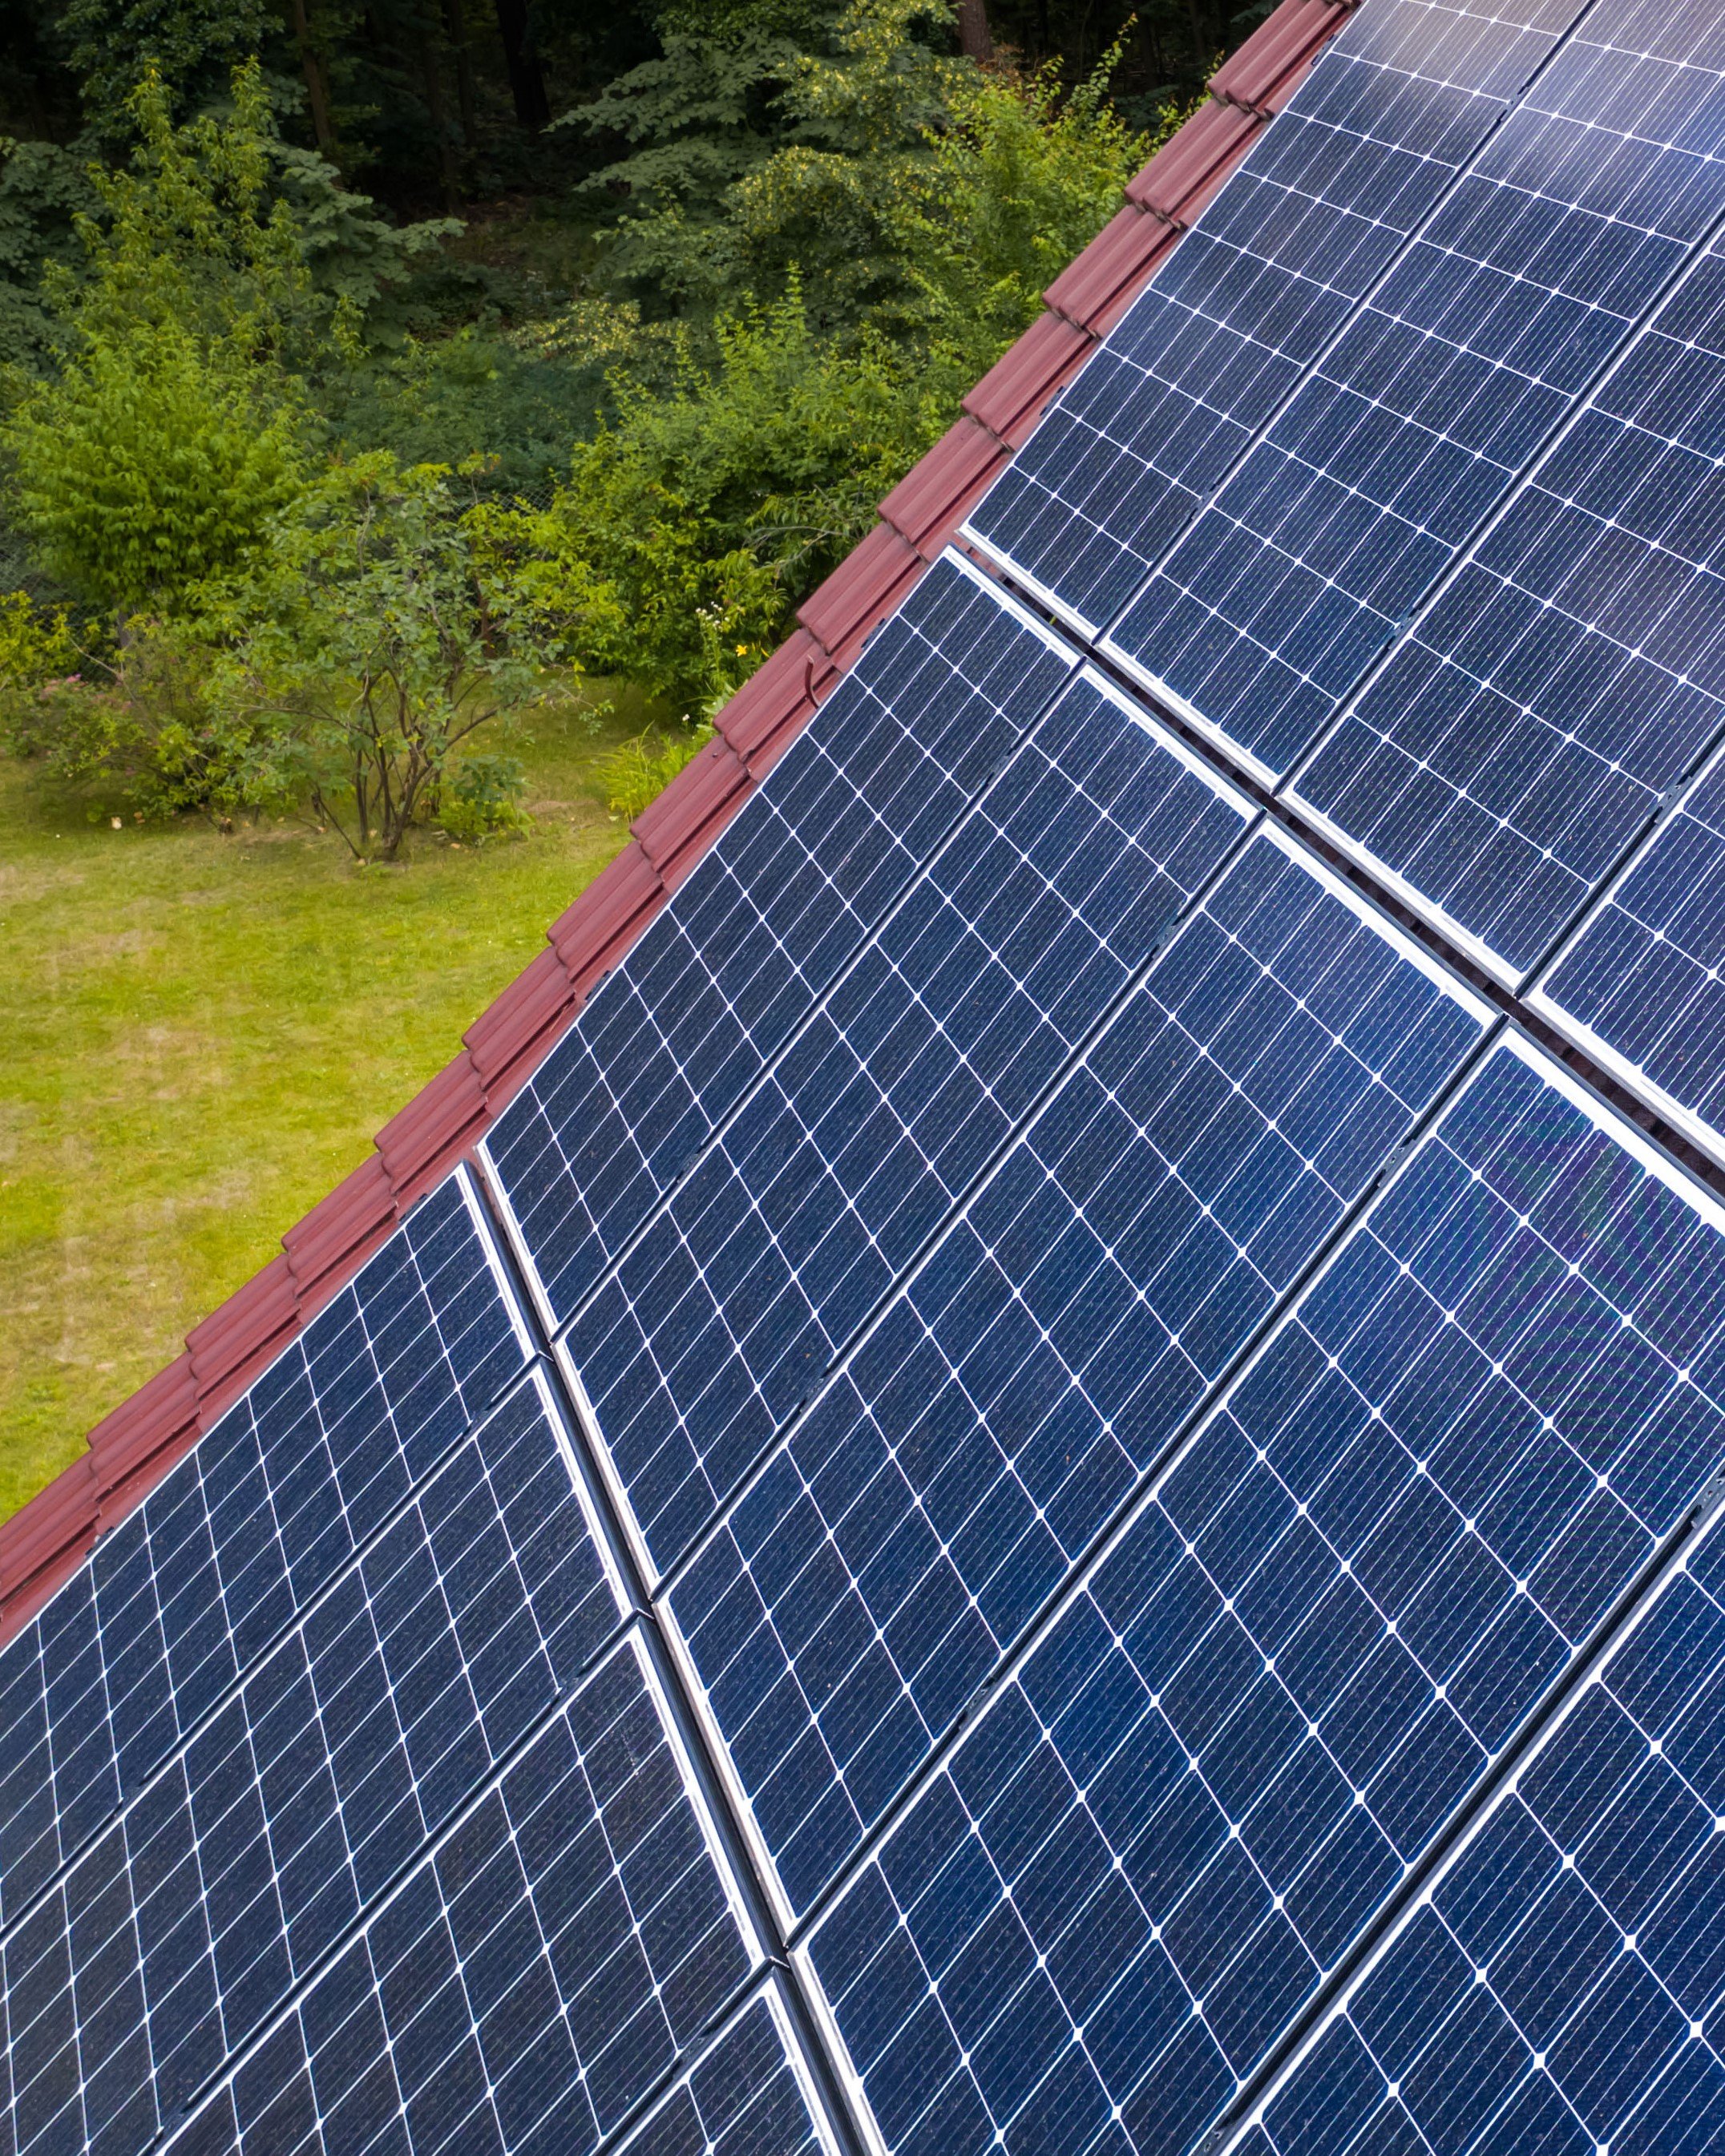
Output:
x=190 y=47
x=691 y=525
x=225 y=274
x=975 y=38
x=371 y=644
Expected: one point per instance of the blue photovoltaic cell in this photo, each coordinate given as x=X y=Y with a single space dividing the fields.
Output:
x=136 y=1648
x=1558 y=1992
x=1253 y=294
x=742 y=2097
x=892 y=1098
x=1523 y=733
x=247 y=1857
x=855 y=1598
x=766 y=921
x=1340 y=1602
x=533 y=1979
x=1643 y=977
x=1574 y=216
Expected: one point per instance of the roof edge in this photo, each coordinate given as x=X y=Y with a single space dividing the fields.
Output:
x=131 y=1449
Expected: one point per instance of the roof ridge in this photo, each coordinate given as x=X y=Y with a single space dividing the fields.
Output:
x=130 y=1450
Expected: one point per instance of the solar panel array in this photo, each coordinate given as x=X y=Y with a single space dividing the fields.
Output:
x=1050 y=1490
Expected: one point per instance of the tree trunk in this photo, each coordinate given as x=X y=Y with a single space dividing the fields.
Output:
x=526 y=83
x=317 y=91
x=975 y=37
x=438 y=108
x=455 y=18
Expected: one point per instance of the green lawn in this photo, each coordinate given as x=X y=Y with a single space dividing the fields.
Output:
x=201 y=1034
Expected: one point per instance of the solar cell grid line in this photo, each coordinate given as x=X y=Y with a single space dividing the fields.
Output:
x=851 y=1603
x=751 y=2093
x=1252 y=1718
x=1557 y=1986
x=1256 y=290
x=1557 y=243
x=1637 y=984
x=893 y=1098
x=189 y=1589
x=537 y=1975
x=536 y=1585
x=1534 y=717
x=248 y=1857
x=815 y=858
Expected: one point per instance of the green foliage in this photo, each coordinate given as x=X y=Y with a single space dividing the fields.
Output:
x=518 y=401
x=153 y=462
x=482 y=799
x=637 y=771
x=695 y=119
x=191 y=46
x=224 y=272
x=692 y=524
x=172 y=433
x=137 y=716
x=43 y=191
x=908 y=192
x=370 y=644
x=848 y=221
x=37 y=646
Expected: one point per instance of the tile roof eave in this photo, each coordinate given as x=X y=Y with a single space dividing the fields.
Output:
x=131 y=1449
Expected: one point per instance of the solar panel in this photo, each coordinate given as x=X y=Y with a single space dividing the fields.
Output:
x=1339 y=1603
x=1558 y=1987
x=1639 y=983
x=1259 y=287
x=1094 y=1549
x=815 y=858
x=1527 y=727
x=859 y=1594
x=244 y=1858
x=534 y=1978
x=889 y=1101
x=1568 y=226
x=750 y=2094
x=187 y=1593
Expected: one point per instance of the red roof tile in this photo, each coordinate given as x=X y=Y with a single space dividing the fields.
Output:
x=1191 y=165
x=355 y=1214
x=1264 y=72
x=252 y=1322
x=606 y=917
x=1009 y=398
x=693 y=809
x=1115 y=265
x=934 y=496
x=775 y=701
x=44 y=1544
x=423 y=1141
x=512 y=1030
x=156 y=1415
x=863 y=589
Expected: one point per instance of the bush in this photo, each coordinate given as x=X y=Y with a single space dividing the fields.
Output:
x=369 y=647
x=638 y=771
x=149 y=465
x=692 y=524
x=482 y=799
x=139 y=714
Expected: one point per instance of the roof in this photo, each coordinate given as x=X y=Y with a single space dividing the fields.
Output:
x=130 y=1450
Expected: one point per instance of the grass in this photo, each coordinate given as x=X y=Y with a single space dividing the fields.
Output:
x=200 y=1035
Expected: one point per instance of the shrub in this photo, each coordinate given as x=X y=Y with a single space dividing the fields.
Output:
x=482 y=799
x=638 y=771
x=371 y=645
x=153 y=463
x=140 y=714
